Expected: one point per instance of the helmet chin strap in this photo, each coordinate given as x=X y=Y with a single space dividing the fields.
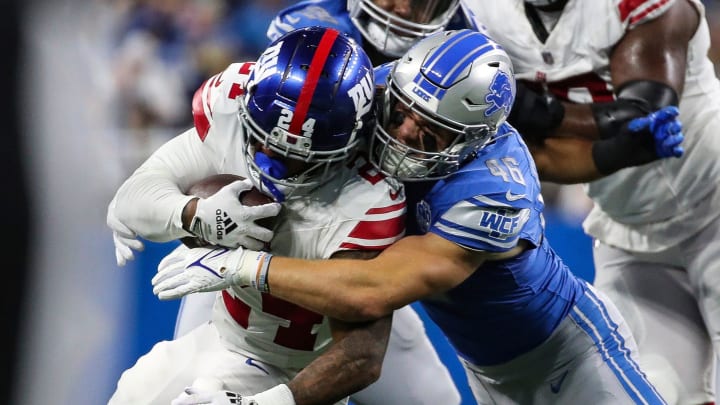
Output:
x=274 y=168
x=553 y=5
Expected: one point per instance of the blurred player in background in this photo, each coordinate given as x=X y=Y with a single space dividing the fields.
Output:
x=589 y=67
x=526 y=329
x=291 y=125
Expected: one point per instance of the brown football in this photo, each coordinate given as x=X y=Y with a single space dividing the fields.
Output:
x=211 y=184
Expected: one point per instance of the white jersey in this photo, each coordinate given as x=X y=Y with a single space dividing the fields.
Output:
x=645 y=208
x=356 y=210
x=353 y=211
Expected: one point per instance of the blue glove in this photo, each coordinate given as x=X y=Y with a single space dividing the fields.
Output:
x=666 y=130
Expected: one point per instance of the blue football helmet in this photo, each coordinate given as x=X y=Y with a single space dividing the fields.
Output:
x=393 y=28
x=308 y=98
x=456 y=88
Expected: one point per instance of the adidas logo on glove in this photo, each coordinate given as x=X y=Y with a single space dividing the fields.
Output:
x=223 y=224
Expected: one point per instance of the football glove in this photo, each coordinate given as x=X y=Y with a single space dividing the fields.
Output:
x=643 y=140
x=193 y=396
x=277 y=395
x=666 y=130
x=124 y=238
x=185 y=271
x=223 y=220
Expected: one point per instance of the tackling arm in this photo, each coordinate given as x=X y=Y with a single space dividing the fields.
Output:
x=652 y=52
x=413 y=268
x=352 y=362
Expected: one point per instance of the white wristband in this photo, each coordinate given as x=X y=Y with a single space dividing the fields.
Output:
x=253 y=270
x=277 y=395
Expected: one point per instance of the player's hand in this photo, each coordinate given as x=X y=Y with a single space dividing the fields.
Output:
x=124 y=238
x=666 y=131
x=185 y=271
x=193 y=396
x=223 y=220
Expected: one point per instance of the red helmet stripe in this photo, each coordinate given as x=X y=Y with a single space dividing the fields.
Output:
x=308 y=89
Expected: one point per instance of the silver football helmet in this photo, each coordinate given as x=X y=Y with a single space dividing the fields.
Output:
x=457 y=87
x=392 y=30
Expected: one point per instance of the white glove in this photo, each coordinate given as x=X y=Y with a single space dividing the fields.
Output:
x=277 y=395
x=124 y=238
x=185 y=271
x=193 y=396
x=223 y=220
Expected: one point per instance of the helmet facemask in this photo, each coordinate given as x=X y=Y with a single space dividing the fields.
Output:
x=444 y=101
x=392 y=34
x=408 y=163
x=319 y=164
x=306 y=99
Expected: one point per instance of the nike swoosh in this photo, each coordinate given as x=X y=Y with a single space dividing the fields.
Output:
x=251 y=362
x=292 y=20
x=555 y=387
x=514 y=197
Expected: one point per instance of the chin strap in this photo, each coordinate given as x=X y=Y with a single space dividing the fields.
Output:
x=274 y=168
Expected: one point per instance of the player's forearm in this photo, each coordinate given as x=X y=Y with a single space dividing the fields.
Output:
x=152 y=207
x=338 y=288
x=353 y=362
x=565 y=160
x=356 y=290
x=151 y=200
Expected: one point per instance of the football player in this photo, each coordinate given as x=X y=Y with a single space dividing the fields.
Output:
x=290 y=124
x=386 y=29
x=594 y=65
x=526 y=329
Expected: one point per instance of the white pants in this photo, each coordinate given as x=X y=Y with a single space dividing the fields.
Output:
x=412 y=372
x=671 y=301
x=590 y=359
x=198 y=359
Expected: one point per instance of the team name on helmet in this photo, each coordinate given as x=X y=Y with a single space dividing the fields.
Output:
x=362 y=95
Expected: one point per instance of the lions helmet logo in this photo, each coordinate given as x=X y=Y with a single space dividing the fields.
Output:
x=500 y=94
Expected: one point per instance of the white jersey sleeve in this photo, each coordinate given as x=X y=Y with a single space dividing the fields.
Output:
x=151 y=200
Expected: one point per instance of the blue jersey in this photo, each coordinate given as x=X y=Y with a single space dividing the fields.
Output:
x=507 y=307
x=334 y=14
x=325 y=13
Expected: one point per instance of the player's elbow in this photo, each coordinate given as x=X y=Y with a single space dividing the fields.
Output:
x=373 y=306
x=368 y=366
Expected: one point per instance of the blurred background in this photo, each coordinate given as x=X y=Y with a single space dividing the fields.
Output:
x=93 y=87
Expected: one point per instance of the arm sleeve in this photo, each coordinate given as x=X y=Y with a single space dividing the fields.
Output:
x=151 y=200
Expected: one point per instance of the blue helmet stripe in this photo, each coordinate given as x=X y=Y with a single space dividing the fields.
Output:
x=446 y=63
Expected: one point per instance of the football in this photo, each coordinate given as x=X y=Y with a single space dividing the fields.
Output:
x=212 y=184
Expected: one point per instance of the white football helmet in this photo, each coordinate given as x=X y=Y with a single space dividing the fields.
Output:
x=456 y=83
x=392 y=33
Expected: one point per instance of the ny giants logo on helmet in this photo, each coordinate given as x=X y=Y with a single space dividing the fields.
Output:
x=267 y=62
x=500 y=94
x=362 y=95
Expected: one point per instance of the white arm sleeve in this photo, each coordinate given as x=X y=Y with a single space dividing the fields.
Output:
x=151 y=200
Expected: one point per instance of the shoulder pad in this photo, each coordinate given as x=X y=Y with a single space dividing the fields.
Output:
x=634 y=12
x=216 y=93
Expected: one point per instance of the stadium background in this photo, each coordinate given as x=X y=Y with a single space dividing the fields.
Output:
x=103 y=83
